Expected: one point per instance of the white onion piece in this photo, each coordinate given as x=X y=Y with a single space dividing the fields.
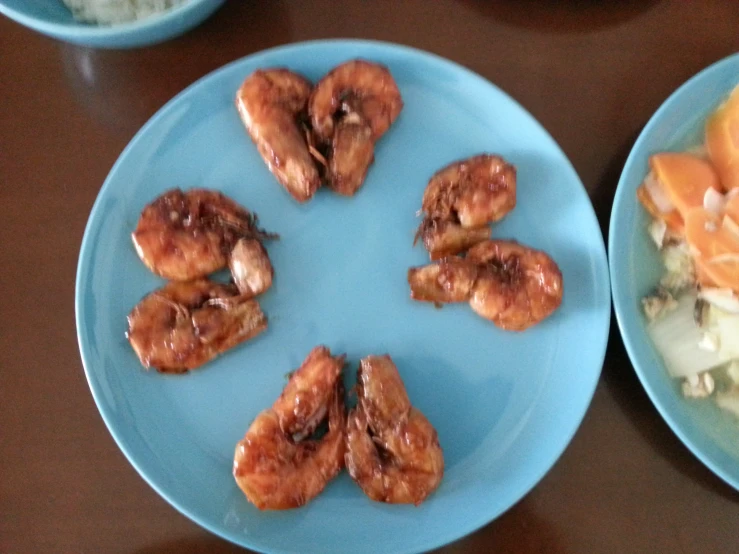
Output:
x=694 y=251
x=657 y=230
x=732 y=193
x=709 y=342
x=724 y=299
x=658 y=194
x=713 y=201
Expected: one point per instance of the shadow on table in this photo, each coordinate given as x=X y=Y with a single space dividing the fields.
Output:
x=518 y=531
x=122 y=89
x=206 y=544
x=562 y=16
x=605 y=188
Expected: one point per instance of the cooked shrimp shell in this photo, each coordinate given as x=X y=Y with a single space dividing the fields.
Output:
x=510 y=284
x=393 y=452
x=275 y=465
x=184 y=235
x=272 y=103
x=186 y=324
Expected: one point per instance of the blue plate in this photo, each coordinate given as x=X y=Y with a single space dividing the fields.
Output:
x=54 y=19
x=505 y=405
x=712 y=435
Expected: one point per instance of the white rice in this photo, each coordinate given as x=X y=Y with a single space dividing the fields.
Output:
x=107 y=12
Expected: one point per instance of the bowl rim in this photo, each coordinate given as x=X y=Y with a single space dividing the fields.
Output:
x=91 y=30
x=619 y=288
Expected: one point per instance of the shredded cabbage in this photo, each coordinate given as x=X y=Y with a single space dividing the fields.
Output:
x=678 y=338
x=725 y=326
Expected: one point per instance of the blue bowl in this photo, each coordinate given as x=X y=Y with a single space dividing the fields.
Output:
x=635 y=266
x=53 y=18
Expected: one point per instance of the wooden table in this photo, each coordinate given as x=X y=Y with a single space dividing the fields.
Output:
x=591 y=72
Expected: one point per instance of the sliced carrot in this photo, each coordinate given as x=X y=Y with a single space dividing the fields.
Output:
x=685 y=178
x=722 y=140
x=732 y=208
x=672 y=219
x=717 y=247
x=701 y=274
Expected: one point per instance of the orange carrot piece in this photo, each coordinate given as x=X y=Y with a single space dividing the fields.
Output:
x=713 y=242
x=685 y=178
x=672 y=219
x=732 y=209
x=722 y=140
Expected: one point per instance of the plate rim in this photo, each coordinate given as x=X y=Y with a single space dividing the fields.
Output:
x=80 y=30
x=602 y=290
x=619 y=290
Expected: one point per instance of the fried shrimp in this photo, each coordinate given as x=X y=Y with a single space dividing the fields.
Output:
x=512 y=285
x=517 y=286
x=272 y=104
x=450 y=280
x=352 y=152
x=365 y=88
x=350 y=109
x=461 y=199
x=303 y=403
x=186 y=324
x=185 y=235
x=445 y=238
x=393 y=452
x=274 y=464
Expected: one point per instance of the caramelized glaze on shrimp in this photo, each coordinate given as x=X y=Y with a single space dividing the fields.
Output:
x=517 y=286
x=512 y=285
x=350 y=109
x=358 y=86
x=445 y=238
x=461 y=199
x=274 y=464
x=186 y=324
x=450 y=280
x=185 y=235
x=393 y=452
x=272 y=103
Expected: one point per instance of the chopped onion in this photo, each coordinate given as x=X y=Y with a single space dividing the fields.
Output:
x=726 y=327
x=699 y=386
x=694 y=251
x=732 y=193
x=658 y=195
x=724 y=299
x=709 y=342
x=657 y=230
x=713 y=201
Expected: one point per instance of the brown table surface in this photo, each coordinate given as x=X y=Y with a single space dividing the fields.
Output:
x=591 y=72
